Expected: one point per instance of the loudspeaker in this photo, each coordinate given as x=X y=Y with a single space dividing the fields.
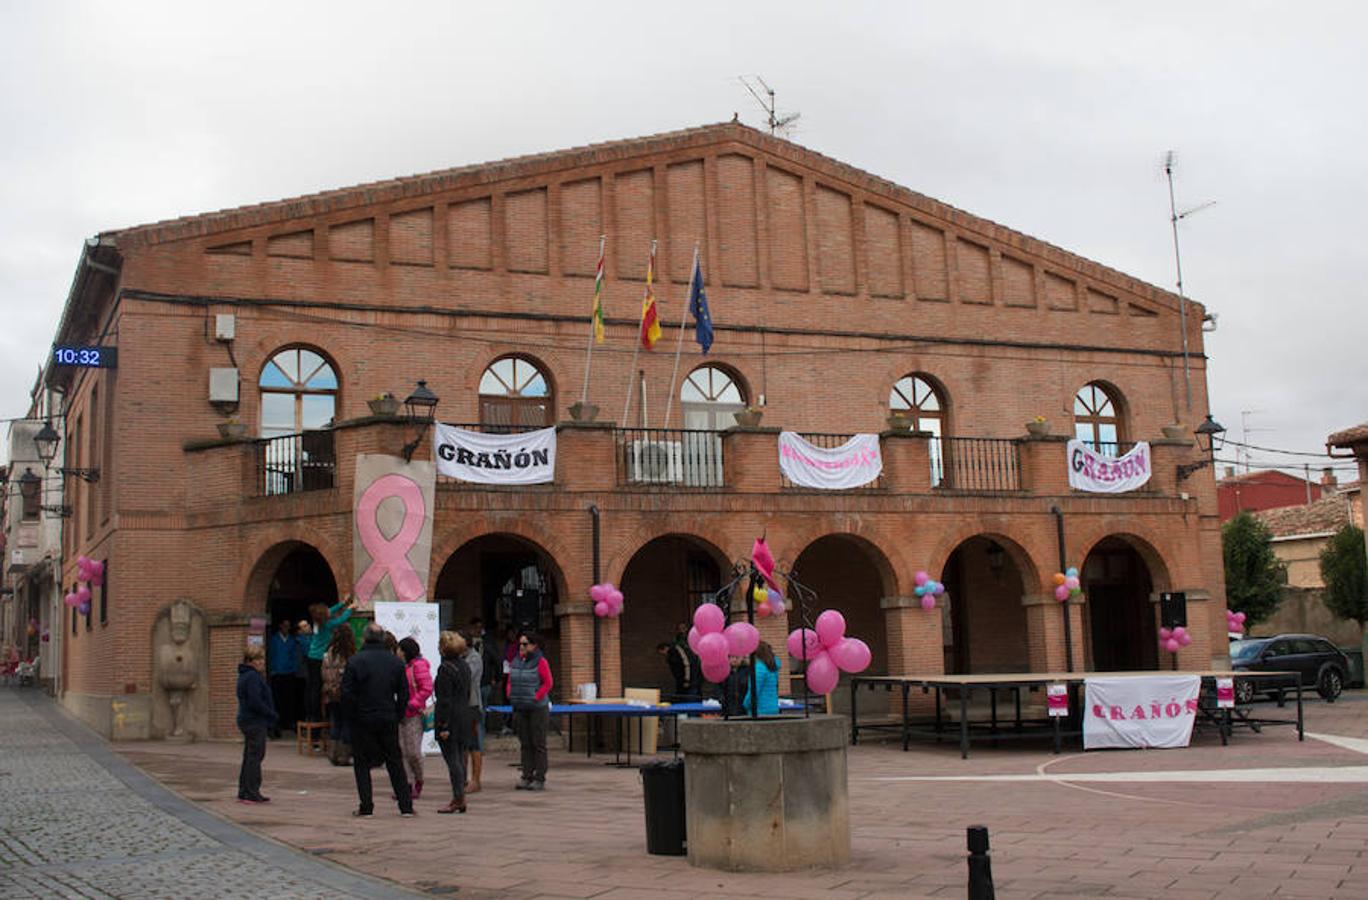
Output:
x=527 y=610
x=1173 y=609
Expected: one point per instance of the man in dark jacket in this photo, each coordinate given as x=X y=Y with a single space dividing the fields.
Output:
x=256 y=714
x=375 y=696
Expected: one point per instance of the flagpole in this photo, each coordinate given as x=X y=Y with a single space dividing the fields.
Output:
x=631 y=373
x=598 y=298
x=679 y=344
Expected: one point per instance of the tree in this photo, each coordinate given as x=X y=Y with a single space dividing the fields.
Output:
x=1254 y=576
x=1344 y=569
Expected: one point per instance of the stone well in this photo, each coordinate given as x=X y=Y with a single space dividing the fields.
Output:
x=766 y=795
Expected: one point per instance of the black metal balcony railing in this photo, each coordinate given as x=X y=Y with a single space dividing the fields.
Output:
x=295 y=462
x=828 y=441
x=977 y=464
x=669 y=457
x=1113 y=449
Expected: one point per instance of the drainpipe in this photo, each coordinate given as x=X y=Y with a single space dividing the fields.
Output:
x=594 y=524
x=1063 y=564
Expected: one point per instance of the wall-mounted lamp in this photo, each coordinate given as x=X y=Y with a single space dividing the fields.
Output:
x=421 y=407
x=997 y=558
x=46 y=441
x=1212 y=431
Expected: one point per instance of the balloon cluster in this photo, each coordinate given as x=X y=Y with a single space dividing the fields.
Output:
x=768 y=601
x=607 y=600
x=91 y=570
x=928 y=589
x=1235 y=621
x=715 y=641
x=828 y=652
x=79 y=600
x=1172 y=639
x=1067 y=584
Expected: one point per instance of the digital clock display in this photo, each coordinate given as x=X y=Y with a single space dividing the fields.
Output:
x=86 y=357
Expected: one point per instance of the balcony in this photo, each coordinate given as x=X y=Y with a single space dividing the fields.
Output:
x=294 y=463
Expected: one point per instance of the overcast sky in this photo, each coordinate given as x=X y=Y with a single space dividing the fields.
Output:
x=1051 y=118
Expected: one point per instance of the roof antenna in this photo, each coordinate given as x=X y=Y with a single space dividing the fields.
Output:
x=1174 y=218
x=779 y=125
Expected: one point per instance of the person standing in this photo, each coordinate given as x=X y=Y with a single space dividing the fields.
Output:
x=419 y=675
x=474 y=660
x=375 y=697
x=325 y=619
x=256 y=714
x=342 y=648
x=766 y=682
x=282 y=662
x=451 y=714
x=684 y=666
x=529 y=692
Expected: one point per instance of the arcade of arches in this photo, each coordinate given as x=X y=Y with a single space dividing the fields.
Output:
x=984 y=623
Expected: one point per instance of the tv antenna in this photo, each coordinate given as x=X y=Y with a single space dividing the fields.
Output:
x=779 y=125
x=1174 y=218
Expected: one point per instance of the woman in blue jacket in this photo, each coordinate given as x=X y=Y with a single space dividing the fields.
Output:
x=766 y=682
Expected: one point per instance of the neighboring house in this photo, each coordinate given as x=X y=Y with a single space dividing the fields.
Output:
x=1265 y=489
x=1300 y=533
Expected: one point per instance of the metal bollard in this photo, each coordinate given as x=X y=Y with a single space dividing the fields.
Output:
x=980 y=864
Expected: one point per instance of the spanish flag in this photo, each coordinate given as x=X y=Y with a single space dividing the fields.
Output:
x=650 y=321
x=598 y=295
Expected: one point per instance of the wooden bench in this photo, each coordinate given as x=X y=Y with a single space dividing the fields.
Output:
x=311 y=737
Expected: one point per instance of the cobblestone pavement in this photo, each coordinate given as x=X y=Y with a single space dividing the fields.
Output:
x=78 y=821
x=1128 y=836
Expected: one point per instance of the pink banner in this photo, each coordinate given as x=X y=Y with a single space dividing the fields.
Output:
x=392 y=529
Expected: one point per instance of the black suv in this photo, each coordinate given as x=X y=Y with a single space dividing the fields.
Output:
x=1321 y=664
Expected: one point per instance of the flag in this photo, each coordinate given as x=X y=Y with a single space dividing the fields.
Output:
x=650 y=321
x=598 y=297
x=698 y=308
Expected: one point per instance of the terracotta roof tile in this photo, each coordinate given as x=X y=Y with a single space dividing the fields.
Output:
x=1323 y=515
x=1349 y=436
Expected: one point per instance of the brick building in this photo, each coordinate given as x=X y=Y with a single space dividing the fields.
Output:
x=838 y=298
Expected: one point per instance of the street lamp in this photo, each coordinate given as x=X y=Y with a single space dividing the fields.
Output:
x=421 y=406
x=46 y=441
x=1212 y=431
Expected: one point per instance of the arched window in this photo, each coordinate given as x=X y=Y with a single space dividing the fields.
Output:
x=919 y=400
x=1097 y=422
x=709 y=397
x=298 y=392
x=515 y=394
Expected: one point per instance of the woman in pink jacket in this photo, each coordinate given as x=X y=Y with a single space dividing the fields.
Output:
x=419 y=675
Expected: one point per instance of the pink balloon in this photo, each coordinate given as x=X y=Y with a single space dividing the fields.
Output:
x=742 y=638
x=764 y=610
x=601 y=609
x=851 y=655
x=715 y=671
x=928 y=602
x=778 y=607
x=712 y=648
x=831 y=626
x=83 y=594
x=71 y=600
x=1072 y=582
x=1240 y=617
x=822 y=674
x=939 y=590
x=921 y=578
x=708 y=619
x=1165 y=634
x=1061 y=593
x=95 y=572
x=1171 y=645
x=596 y=593
x=1184 y=639
x=615 y=597
x=796 y=640
x=694 y=635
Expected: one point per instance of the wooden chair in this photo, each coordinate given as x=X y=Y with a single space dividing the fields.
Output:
x=311 y=738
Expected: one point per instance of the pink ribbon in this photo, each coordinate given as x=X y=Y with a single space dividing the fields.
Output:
x=389 y=556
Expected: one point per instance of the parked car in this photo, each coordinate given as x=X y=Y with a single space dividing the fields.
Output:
x=1320 y=664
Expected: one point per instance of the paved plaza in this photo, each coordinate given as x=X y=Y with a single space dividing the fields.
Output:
x=1265 y=817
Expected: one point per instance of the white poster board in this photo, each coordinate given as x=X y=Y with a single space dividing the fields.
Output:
x=419 y=621
x=1140 y=711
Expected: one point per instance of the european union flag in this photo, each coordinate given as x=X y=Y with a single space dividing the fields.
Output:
x=698 y=308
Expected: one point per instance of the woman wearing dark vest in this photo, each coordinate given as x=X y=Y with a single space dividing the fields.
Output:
x=529 y=693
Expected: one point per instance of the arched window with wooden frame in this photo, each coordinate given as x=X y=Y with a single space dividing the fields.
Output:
x=1097 y=418
x=920 y=400
x=709 y=397
x=298 y=392
x=516 y=394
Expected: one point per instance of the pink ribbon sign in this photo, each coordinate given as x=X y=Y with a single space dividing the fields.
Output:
x=389 y=555
x=1057 y=700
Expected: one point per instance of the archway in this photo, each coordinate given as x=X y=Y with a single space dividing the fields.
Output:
x=1119 y=617
x=851 y=575
x=505 y=580
x=984 y=621
x=663 y=582
x=299 y=576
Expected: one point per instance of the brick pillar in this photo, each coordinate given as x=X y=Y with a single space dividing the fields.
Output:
x=907 y=461
x=586 y=456
x=576 y=663
x=610 y=656
x=750 y=459
x=1165 y=457
x=1044 y=467
x=916 y=646
x=1045 y=632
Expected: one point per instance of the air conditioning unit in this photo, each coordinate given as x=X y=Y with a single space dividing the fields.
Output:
x=657 y=462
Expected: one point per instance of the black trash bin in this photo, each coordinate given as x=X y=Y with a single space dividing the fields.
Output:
x=662 y=785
